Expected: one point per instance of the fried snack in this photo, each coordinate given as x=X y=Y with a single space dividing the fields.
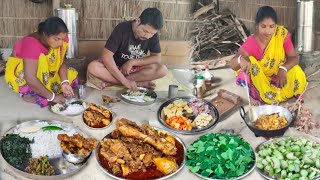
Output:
x=271 y=122
x=77 y=144
x=106 y=99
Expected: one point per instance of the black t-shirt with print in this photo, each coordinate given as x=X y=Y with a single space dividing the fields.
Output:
x=125 y=46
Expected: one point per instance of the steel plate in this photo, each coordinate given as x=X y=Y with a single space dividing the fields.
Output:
x=62 y=167
x=132 y=101
x=235 y=178
x=195 y=129
x=65 y=113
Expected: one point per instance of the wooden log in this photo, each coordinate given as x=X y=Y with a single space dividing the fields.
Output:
x=203 y=10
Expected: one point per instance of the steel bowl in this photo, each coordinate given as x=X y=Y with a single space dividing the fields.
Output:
x=113 y=115
x=75 y=158
x=266 y=110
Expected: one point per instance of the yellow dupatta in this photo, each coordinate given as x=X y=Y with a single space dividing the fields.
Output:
x=47 y=72
x=262 y=71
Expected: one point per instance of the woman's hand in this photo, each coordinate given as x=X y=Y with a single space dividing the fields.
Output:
x=280 y=79
x=67 y=90
x=59 y=99
x=245 y=64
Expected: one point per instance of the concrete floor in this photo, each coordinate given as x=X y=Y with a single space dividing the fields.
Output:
x=13 y=110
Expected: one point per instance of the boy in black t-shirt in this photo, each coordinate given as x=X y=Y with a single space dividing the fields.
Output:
x=124 y=60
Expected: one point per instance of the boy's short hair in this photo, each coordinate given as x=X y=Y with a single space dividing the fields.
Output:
x=152 y=17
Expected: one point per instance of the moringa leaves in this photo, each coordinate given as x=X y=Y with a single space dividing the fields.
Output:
x=220 y=156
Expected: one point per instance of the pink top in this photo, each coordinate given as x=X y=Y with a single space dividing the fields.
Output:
x=29 y=47
x=252 y=47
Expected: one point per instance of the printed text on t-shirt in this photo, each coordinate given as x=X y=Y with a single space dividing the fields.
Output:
x=135 y=52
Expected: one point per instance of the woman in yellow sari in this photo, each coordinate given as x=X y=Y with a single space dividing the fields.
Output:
x=268 y=63
x=36 y=68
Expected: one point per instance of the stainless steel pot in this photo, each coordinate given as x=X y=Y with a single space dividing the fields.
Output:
x=70 y=17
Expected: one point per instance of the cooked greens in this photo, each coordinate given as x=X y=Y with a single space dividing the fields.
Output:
x=79 y=102
x=151 y=94
x=290 y=158
x=40 y=166
x=15 y=149
x=220 y=156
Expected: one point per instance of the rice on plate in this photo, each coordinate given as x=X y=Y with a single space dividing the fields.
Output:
x=74 y=107
x=45 y=142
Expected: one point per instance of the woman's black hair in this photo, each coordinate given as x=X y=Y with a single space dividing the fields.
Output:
x=266 y=12
x=52 y=26
x=152 y=17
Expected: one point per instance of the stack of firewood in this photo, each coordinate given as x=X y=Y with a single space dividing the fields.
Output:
x=214 y=35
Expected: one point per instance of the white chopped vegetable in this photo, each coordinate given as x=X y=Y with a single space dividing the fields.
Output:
x=202 y=119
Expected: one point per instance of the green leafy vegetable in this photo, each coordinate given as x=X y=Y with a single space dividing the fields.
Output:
x=49 y=128
x=77 y=102
x=15 y=149
x=220 y=156
x=151 y=94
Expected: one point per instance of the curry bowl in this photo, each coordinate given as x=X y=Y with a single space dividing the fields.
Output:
x=120 y=151
x=267 y=110
x=97 y=116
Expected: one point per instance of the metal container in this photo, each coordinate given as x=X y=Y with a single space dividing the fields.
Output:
x=305 y=26
x=195 y=129
x=139 y=99
x=267 y=110
x=75 y=158
x=62 y=167
x=275 y=140
x=181 y=165
x=70 y=17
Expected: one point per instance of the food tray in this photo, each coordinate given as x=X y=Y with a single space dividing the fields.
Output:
x=195 y=130
x=62 y=167
x=183 y=154
x=138 y=100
